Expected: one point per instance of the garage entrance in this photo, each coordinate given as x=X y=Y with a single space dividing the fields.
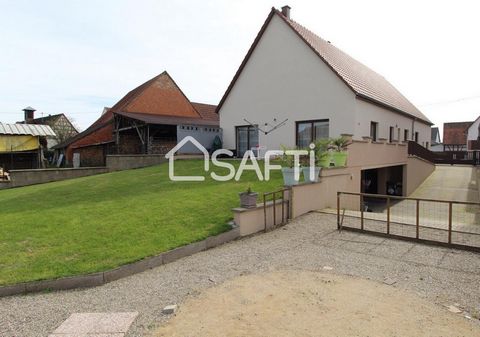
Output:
x=384 y=180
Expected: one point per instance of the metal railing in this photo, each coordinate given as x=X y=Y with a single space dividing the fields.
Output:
x=446 y=157
x=445 y=222
x=285 y=208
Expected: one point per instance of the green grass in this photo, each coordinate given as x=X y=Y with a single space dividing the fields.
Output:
x=96 y=223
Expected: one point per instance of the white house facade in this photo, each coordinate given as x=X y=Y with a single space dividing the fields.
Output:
x=294 y=87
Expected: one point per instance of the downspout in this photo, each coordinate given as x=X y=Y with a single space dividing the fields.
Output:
x=412 y=137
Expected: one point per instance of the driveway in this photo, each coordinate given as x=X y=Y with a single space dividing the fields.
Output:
x=457 y=183
x=310 y=243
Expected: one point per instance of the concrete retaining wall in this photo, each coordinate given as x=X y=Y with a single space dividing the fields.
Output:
x=96 y=279
x=20 y=178
x=132 y=161
x=417 y=170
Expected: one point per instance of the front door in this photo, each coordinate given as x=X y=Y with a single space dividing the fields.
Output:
x=247 y=138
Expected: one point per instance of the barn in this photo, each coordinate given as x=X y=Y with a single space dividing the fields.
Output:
x=150 y=119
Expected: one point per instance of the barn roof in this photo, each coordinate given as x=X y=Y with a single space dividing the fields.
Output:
x=26 y=129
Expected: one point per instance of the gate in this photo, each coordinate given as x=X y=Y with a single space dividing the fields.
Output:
x=278 y=195
x=442 y=222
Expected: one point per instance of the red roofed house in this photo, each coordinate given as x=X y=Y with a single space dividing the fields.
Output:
x=150 y=119
x=455 y=136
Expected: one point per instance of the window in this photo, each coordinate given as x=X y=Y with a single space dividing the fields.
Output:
x=247 y=138
x=392 y=134
x=427 y=145
x=309 y=131
x=405 y=135
x=416 y=137
x=374 y=131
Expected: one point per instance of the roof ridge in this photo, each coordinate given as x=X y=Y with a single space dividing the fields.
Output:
x=135 y=92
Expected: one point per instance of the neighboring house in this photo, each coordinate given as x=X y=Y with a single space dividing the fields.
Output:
x=473 y=135
x=455 y=136
x=150 y=119
x=436 y=143
x=60 y=124
x=22 y=145
x=294 y=78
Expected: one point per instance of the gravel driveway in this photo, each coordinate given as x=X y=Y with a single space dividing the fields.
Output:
x=311 y=242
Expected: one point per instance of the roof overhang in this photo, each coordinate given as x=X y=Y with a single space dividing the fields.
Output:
x=166 y=120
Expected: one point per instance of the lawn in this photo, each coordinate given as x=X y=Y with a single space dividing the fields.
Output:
x=96 y=223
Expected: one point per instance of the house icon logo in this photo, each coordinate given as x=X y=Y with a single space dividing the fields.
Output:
x=171 y=159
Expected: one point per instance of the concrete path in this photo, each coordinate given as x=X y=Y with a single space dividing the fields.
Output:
x=311 y=242
x=457 y=183
x=96 y=325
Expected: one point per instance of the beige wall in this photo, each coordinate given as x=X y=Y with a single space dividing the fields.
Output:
x=285 y=79
x=416 y=172
x=367 y=154
x=252 y=220
x=367 y=112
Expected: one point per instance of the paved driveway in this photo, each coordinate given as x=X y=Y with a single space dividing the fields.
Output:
x=311 y=242
x=457 y=183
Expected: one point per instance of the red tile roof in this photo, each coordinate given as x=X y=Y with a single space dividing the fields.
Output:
x=158 y=96
x=455 y=133
x=207 y=111
x=364 y=82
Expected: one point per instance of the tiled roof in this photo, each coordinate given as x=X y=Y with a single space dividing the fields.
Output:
x=455 y=133
x=207 y=111
x=363 y=81
x=158 y=96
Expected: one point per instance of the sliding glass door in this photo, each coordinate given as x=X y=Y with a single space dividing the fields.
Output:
x=247 y=138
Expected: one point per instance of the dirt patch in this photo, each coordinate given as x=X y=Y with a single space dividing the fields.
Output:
x=302 y=303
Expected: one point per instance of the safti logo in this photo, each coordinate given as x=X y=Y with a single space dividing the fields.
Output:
x=249 y=162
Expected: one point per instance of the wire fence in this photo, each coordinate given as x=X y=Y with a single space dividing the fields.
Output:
x=444 y=222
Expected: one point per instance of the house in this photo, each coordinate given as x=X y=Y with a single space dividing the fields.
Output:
x=455 y=136
x=150 y=119
x=436 y=143
x=60 y=124
x=473 y=135
x=22 y=145
x=294 y=87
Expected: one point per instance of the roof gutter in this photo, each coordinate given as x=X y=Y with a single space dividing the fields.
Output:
x=383 y=105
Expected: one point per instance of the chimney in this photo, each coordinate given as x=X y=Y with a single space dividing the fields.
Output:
x=286 y=11
x=29 y=114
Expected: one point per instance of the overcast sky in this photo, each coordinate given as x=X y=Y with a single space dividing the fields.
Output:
x=76 y=57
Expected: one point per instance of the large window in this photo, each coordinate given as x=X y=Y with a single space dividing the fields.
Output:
x=374 y=131
x=405 y=135
x=247 y=138
x=310 y=131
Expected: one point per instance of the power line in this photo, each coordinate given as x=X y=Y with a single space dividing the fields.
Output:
x=452 y=101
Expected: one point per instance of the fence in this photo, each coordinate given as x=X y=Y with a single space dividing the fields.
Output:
x=450 y=223
x=447 y=157
x=285 y=214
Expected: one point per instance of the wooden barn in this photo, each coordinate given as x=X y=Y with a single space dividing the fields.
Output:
x=150 y=119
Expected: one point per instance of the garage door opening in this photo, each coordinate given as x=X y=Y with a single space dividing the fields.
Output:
x=384 y=181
